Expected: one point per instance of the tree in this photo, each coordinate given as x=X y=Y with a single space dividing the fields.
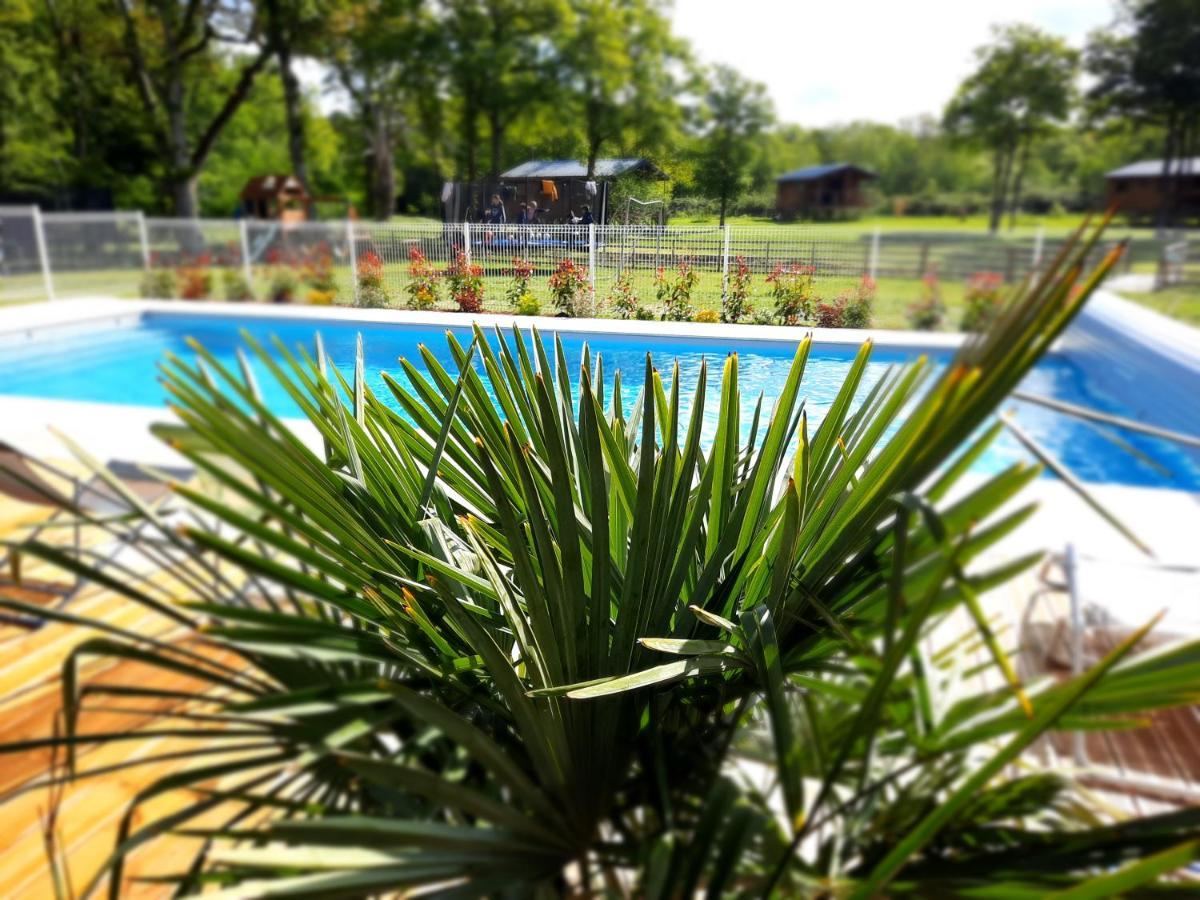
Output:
x=168 y=47
x=1147 y=68
x=384 y=54
x=736 y=111
x=1024 y=82
x=618 y=64
x=292 y=26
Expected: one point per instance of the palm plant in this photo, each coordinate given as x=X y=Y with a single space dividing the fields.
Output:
x=505 y=636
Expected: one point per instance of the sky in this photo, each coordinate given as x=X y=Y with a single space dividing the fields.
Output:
x=835 y=61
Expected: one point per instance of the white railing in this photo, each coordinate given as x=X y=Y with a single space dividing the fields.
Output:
x=126 y=254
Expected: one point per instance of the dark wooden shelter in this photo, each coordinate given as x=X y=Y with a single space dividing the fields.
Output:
x=1139 y=188
x=821 y=192
x=559 y=187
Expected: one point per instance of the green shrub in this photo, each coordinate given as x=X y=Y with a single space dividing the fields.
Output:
x=983 y=301
x=422 y=286
x=928 y=312
x=622 y=299
x=158 y=284
x=235 y=286
x=792 y=292
x=674 y=293
x=283 y=285
x=569 y=286
x=735 y=306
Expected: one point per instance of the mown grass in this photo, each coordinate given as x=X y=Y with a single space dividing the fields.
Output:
x=1181 y=302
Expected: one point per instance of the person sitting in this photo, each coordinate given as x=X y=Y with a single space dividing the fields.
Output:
x=494 y=214
x=586 y=218
x=528 y=214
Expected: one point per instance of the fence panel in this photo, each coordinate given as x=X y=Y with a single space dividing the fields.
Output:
x=303 y=262
x=94 y=253
x=410 y=264
x=193 y=259
x=21 y=275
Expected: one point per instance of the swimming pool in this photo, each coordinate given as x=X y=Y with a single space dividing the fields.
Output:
x=114 y=362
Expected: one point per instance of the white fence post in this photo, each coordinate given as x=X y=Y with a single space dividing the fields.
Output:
x=353 y=258
x=39 y=236
x=1038 y=241
x=873 y=265
x=244 y=236
x=467 y=242
x=145 y=239
x=592 y=259
x=725 y=267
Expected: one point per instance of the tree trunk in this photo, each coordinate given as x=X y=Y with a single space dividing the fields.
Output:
x=723 y=199
x=1015 y=202
x=293 y=104
x=182 y=177
x=293 y=101
x=1170 y=145
x=383 y=181
x=1000 y=174
x=496 y=132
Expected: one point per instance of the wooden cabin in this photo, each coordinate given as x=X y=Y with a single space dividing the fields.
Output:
x=1138 y=188
x=821 y=192
x=280 y=197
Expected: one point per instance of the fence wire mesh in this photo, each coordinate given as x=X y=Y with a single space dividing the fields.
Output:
x=422 y=264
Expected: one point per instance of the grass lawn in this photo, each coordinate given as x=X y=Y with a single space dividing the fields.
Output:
x=1181 y=302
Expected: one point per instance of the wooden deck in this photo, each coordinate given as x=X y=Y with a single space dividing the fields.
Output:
x=90 y=810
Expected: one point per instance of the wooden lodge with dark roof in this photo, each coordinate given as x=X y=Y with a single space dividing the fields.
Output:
x=821 y=192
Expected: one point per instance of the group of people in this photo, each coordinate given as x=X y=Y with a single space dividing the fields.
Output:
x=494 y=214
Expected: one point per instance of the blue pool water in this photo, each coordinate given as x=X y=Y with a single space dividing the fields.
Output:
x=116 y=364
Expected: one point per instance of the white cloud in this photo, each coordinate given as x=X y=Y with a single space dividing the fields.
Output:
x=886 y=60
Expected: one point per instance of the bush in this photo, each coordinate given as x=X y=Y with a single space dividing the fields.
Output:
x=283 y=285
x=792 y=291
x=235 y=287
x=422 y=287
x=736 y=304
x=928 y=312
x=858 y=304
x=518 y=292
x=675 y=294
x=569 y=287
x=315 y=297
x=464 y=281
x=527 y=305
x=707 y=315
x=317 y=273
x=194 y=282
x=832 y=314
x=644 y=314
x=622 y=299
x=372 y=292
x=158 y=284
x=983 y=301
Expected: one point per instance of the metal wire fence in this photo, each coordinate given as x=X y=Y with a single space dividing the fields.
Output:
x=426 y=265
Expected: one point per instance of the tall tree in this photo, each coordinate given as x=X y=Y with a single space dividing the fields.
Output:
x=1023 y=83
x=167 y=46
x=293 y=27
x=382 y=52
x=735 y=112
x=618 y=65
x=1147 y=68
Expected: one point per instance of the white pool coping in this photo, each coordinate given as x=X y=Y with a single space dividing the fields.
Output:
x=25 y=317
